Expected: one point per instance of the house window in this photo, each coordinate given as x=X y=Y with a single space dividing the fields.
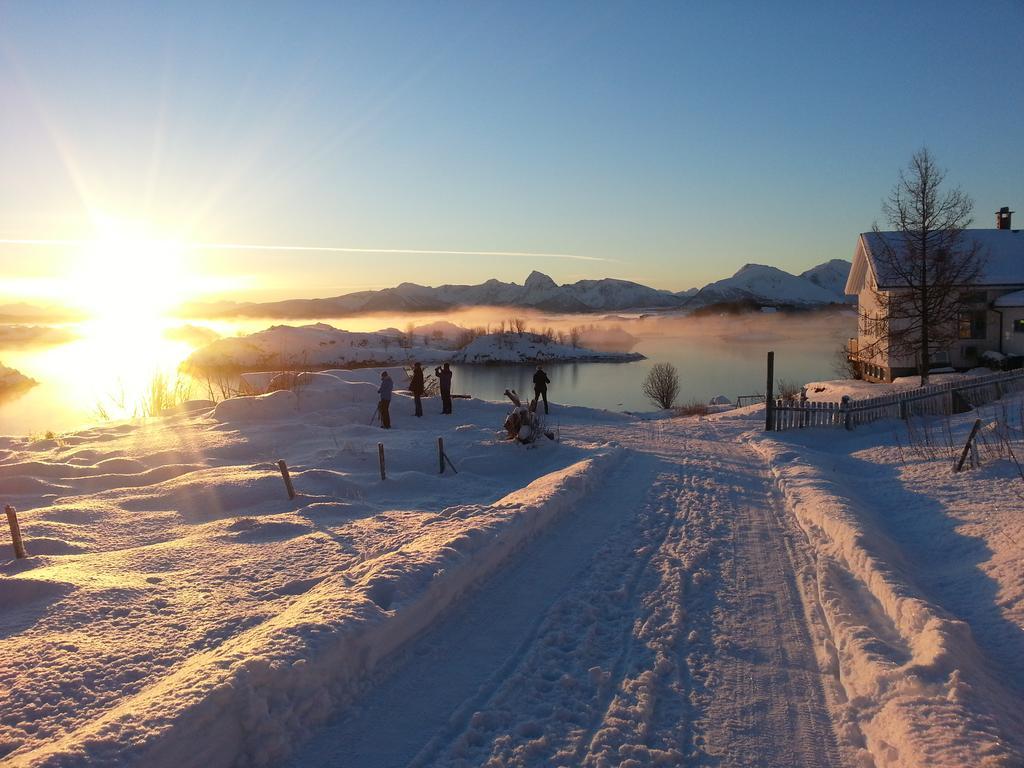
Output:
x=973 y=324
x=1018 y=325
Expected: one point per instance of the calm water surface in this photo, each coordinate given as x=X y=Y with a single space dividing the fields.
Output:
x=108 y=369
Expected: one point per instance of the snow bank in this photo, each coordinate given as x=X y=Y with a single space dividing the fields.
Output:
x=244 y=702
x=350 y=395
x=260 y=381
x=833 y=391
x=919 y=690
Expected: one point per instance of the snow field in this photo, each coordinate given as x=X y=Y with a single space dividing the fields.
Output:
x=928 y=669
x=177 y=608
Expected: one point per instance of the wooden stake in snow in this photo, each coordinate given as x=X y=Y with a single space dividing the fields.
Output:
x=287 y=479
x=967 y=445
x=380 y=455
x=769 y=410
x=12 y=520
x=440 y=454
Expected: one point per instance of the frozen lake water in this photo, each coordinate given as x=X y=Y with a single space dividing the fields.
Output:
x=109 y=369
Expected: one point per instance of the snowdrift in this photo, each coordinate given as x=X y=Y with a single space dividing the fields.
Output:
x=919 y=691
x=244 y=703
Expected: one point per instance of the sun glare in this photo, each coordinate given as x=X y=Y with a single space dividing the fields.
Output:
x=128 y=274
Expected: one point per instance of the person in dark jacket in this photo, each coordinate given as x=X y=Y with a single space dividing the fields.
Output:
x=416 y=387
x=540 y=386
x=444 y=379
x=384 y=390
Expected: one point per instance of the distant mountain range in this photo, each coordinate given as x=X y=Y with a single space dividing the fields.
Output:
x=766 y=286
x=770 y=286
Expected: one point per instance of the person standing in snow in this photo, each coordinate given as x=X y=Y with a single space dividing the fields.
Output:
x=416 y=387
x=384 y=390
x=444 y=378
x=540 y=387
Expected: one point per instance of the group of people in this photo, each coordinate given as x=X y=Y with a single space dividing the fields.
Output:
x=444 y=379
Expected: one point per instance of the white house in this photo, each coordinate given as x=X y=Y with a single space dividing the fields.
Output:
x=993 y=319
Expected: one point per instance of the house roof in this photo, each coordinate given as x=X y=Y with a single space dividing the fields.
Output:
x=1003 y=250
x=1015 y=299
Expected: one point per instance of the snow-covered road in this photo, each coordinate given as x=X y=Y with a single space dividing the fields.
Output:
x=658 y=623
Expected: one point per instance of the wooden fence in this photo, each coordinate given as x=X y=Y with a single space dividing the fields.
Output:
x=933 y=400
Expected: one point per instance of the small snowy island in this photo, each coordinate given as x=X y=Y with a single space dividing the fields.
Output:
x=13 y=381
x=320 y=345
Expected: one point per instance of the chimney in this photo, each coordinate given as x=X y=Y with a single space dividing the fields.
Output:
x=1003 y=217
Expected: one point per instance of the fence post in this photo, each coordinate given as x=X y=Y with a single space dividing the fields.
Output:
x=967 y=446
x=844 y=406
x=380 y=455
x=440 y=454
x=12 y=520
x=769 y=403
x=287 y=479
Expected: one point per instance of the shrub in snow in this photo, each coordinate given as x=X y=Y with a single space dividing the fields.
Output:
x=662 y=384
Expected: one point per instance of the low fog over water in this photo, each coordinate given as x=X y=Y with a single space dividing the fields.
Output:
x=86 y=372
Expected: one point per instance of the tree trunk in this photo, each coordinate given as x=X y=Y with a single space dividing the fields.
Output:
x=925 y=320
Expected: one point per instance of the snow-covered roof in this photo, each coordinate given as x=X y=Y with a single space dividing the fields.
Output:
x=1002 y=249
x=1015 y=299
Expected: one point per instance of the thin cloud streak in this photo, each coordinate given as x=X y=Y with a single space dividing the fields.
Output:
x=331 y=249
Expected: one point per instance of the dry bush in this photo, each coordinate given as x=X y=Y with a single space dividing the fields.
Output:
x=692 y=408
x=662 y=384
x=787 y=389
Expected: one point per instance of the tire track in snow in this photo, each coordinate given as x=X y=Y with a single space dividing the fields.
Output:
x=436 y=687
x=661 y=624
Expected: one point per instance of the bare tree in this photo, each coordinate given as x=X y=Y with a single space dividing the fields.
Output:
x=574 y=335
x=924 y=265
x=662 y=384
x=518 y=324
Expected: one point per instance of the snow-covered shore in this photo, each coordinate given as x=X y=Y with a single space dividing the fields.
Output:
x=320 y=345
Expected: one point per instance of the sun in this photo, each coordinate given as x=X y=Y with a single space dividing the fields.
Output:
x=128 y=273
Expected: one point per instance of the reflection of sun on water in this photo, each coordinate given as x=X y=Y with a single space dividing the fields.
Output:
x=126 y=280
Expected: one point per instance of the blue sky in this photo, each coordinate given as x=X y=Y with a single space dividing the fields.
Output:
x=675 y=141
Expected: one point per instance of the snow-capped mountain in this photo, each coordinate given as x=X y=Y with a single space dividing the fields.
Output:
x=831 y=276
x=768 y=286
x=538 y=292
x=764 y=285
